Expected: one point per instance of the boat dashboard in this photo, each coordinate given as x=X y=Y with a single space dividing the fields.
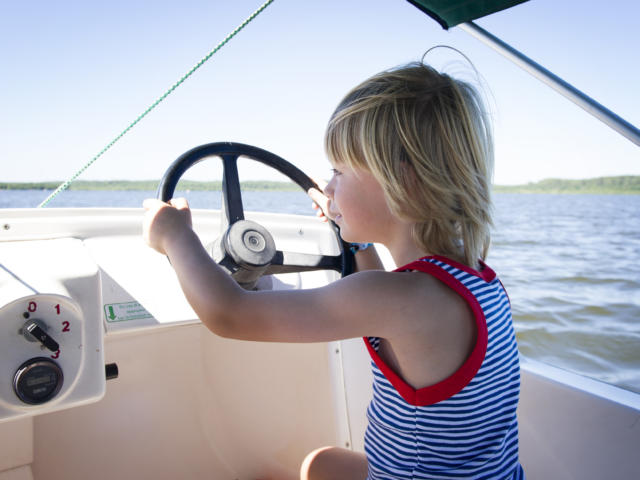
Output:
x=68 y=277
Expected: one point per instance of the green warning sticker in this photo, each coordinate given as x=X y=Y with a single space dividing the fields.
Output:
x=125 y=312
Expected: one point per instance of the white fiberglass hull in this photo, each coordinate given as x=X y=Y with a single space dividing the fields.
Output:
x=188 y=404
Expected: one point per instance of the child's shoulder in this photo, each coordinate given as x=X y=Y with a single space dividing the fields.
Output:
x=417 y=293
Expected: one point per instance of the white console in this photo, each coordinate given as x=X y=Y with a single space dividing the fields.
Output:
x=51 y=329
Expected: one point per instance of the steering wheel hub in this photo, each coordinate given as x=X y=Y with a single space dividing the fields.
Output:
x=250 y=244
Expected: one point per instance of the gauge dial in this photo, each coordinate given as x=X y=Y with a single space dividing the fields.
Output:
x=38 y=380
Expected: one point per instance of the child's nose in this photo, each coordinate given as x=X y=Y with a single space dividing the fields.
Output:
x=329 y=189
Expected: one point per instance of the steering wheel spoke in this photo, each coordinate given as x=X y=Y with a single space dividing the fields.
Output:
x=232 y=207
x=290 y=262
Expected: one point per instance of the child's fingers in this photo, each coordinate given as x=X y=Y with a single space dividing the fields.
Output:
x=320 y=203
x=320 y=214
x=321 y=183
x=150 y=203
x=318 y=197
x=180 y=203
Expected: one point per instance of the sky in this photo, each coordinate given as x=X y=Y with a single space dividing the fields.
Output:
x=74 y=74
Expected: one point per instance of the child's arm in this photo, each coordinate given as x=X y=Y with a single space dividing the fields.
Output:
x=351 y=307
x=368 y=260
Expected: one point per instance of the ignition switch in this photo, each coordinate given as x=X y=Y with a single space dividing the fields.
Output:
x=34 y=330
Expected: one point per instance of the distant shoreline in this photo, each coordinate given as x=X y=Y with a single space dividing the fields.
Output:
x=148 y=185
x=629 y=185
x=622 y=185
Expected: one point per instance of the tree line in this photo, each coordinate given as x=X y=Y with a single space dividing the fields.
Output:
x=628 y=184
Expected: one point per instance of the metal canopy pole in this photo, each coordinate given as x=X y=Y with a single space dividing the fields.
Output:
x=576 y=96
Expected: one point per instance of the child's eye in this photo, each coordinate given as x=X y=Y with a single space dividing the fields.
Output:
x=335 y=172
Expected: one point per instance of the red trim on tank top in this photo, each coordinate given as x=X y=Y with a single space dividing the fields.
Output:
x=460 y=378
x=487 y=274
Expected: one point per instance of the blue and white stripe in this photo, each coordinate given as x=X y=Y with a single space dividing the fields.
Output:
x=472 y=434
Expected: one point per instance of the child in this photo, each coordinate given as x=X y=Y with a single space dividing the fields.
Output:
x=412 y=158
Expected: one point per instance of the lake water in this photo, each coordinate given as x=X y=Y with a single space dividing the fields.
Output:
x=569 y=263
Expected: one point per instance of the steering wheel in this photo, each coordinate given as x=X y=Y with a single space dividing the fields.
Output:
x=246 y=250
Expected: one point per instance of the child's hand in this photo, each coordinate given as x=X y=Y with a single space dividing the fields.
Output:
x=164 y=222
x=320 y=201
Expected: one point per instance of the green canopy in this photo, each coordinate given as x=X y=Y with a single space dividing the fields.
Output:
x=449 y=13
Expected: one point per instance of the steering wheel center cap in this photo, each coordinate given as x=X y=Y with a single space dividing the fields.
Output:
x=254 y=241
x=250 y=244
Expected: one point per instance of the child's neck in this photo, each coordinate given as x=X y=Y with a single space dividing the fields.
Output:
x=405 y=253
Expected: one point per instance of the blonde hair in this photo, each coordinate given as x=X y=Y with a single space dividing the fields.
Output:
x=427 y=140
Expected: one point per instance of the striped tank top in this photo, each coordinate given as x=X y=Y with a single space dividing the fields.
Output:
x=464 y=426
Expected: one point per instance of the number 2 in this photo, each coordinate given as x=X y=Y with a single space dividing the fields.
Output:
x=65 y=326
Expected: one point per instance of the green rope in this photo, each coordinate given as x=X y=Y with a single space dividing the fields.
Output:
x=66 y=184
